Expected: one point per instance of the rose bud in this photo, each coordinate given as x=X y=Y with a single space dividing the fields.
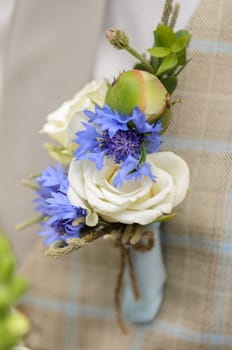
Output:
x=136 y=88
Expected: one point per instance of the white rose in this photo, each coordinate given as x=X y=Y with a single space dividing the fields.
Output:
x=64 y=122
x=139 y=201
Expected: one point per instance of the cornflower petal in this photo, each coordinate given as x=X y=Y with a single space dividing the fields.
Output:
x=54 y=204
x=130 y=170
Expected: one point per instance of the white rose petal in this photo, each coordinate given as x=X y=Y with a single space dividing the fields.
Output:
x=140 y=201
x=66 y=121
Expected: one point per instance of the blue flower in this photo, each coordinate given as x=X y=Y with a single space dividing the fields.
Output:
x=130 y=170
x=121 y=145
x=108 y=120
x=122 y=138
x=52 y=179
x=59 y=232
x=61 y=219
x=88 y=139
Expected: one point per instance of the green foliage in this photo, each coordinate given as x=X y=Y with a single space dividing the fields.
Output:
x=170 y=49
x=168 y=57
x=159 y=51
x=166 y=119
x=180 y=44
x=164 y=36
x=143 y=156
x=170 y=83
x=167 y=64
x=13 y=325
x=60 y=154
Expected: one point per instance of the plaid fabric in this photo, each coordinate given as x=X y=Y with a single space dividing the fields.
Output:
x=70 y=302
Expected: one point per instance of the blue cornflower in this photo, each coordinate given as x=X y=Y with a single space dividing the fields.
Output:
x=121 y=145
x=108 y=120
x=51 y=180
x=122 y=138
x=59 y=232
x=62 y=219
x=130 y=170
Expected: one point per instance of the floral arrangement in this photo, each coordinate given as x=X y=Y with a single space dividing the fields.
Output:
x=111 y=178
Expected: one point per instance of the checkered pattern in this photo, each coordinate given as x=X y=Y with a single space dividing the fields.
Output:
x=70 y=302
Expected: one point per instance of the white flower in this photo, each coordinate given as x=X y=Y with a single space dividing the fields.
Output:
x=140 y=201
x=64 y=122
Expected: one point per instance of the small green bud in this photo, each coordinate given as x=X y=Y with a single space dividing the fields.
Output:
x=13 y=325
x=117 y=38
x=17 y=288
x=12 y=329
x=4 y=299
x=4 y=244
x=7 y=266
x=140 y=89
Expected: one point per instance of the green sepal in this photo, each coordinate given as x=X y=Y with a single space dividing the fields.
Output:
x=165 y=120
x=181 y=57
x=143 y=156
x=164 y=36
x=170 y=83
x=155 y=62
x=140 y=66
x=166 y=217
x=168 y=63
x=159 y=51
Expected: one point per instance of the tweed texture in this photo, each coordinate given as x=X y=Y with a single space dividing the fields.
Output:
x=70 y=301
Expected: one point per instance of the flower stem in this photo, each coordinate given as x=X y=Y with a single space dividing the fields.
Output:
x=142 y=59
x=29 y=222
x=30 y=184
x=77 y=243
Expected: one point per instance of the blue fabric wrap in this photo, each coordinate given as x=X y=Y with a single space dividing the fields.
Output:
x=151 y=277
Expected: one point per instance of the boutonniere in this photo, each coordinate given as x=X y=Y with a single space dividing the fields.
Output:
x=112 y=179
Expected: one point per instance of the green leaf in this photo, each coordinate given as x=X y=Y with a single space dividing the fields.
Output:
x=142 y=156
x=181 y=57
x=59 y=153
x=168 y=63
x=170 y=83
x=155 y=62
x=166 y=119
x=166 y=217
x=181 y=33
x=7 y=263
x=159 y=51
x=181 y=43
x=164 y=36
x=17 y=288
